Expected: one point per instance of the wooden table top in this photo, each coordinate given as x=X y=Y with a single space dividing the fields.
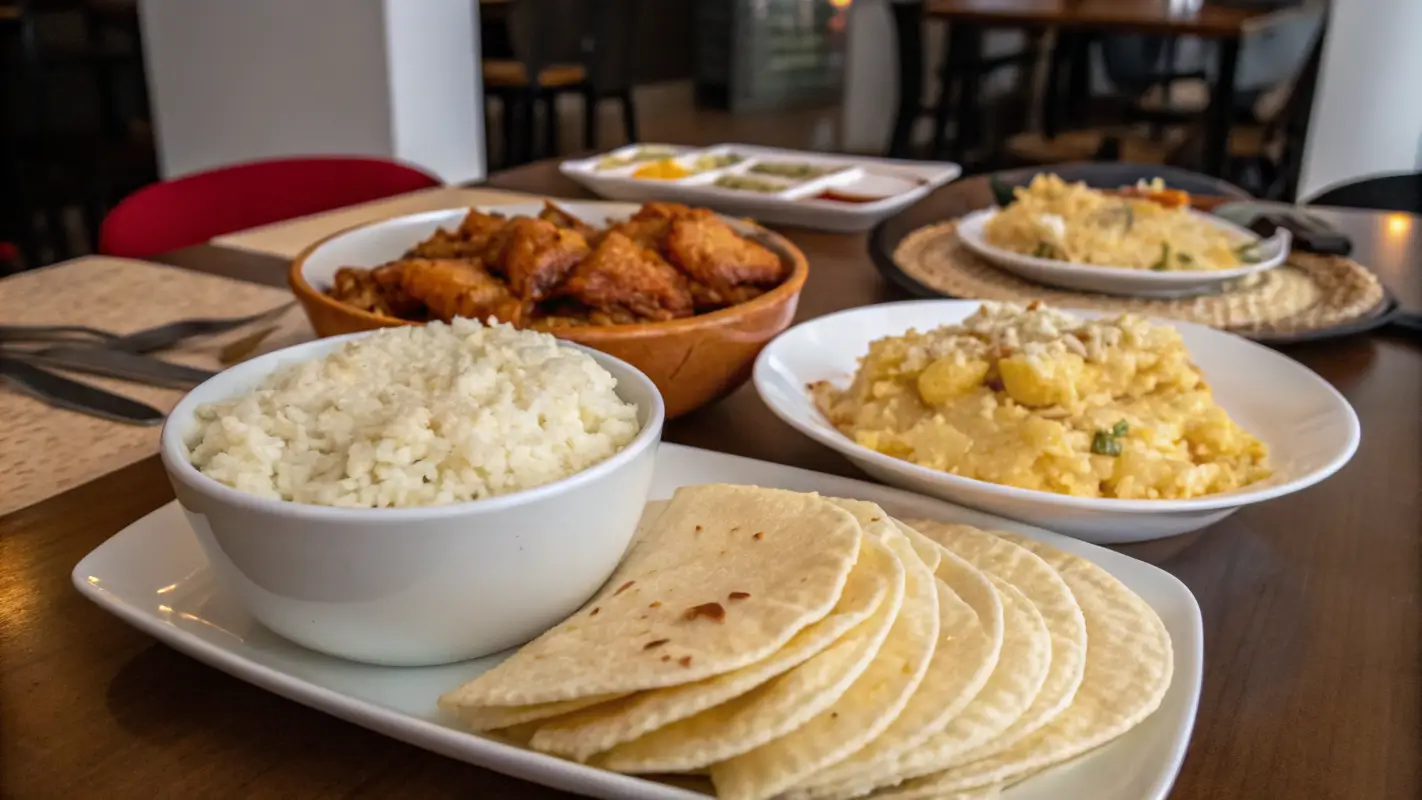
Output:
x=1310 y=603
x=1133 y=16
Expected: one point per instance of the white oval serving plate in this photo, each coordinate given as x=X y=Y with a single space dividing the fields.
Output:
x=155 y=576
x=1310 y=430
x=1121 y=280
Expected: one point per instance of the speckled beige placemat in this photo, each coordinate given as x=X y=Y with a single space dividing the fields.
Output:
x=1308 y=293
x=288 y=238
x=44 y=450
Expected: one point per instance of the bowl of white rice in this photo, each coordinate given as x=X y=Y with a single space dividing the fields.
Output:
x=416 y=495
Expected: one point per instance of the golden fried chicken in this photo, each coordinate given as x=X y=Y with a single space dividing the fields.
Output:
x=621 y=277
x=535 y=256
x=454 y=288
x=652 y=222
x=711 y=253
x=390 y=278
x=467 y=241
x=562 y=219
x=356 y=286
x=707 y=298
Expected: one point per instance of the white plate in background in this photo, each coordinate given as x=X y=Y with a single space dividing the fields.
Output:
x=1121 y=280
x=154 y=576
x=903 y=183
x=1310 y=430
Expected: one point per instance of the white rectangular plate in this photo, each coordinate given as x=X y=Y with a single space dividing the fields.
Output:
x=795 y=208
x=154 y=576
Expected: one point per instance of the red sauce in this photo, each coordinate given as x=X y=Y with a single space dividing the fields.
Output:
x=841 y=197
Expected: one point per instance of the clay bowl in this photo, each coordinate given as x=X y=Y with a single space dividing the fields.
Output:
x=693 y=361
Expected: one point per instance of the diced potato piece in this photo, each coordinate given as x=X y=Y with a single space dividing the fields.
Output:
x=946 y=379
x=1042 y=383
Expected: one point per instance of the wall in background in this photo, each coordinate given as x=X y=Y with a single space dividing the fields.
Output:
x=232 y=82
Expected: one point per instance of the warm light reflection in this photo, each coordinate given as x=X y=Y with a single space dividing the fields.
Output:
x=165 y=609
x=92 y=580
x=209 y=624
x=166 y=589
x=840 y=3
x=1399 y=224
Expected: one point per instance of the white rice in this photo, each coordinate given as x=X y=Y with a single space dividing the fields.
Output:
x=418 y=416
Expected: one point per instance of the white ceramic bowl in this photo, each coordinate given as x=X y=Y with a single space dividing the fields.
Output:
x=1118 y=280
x=1310 y=429
x=416 y=586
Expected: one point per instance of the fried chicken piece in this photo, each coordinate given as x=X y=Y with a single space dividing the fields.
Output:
x=652 y=222
x=356 y=286
x=562 y=219
x=466 y=241
x=452 y=288
x=390 y=278
x=710 y=252
x=707 y=298
x=535 y=256
x=621 y=277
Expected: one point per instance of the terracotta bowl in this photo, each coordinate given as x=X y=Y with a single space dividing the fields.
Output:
x=693 y=361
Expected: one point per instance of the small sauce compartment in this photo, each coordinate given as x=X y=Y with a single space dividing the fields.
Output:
x=624 y=160
x=869 y=185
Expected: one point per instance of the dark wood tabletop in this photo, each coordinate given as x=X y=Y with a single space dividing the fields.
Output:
x=1124 y=16
x=1311 y=602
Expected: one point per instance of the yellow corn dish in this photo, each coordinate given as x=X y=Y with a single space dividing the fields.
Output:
x=1072 y=222
x=1039 y=399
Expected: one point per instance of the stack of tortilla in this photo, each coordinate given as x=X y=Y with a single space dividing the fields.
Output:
x=792 y=645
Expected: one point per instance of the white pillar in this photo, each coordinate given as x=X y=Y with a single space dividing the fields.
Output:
x=236 y=80
x=1367 y=113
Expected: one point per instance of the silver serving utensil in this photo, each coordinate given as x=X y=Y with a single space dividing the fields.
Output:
x=53 y=333
x=62 y=392
x=160 y=337
x=115 y=364
x=165 y=336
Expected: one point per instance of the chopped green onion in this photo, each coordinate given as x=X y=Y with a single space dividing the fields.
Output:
x=1120 y=429
x=1104 y=444
x=1247 y=253
x=1163 y=263
x=1043 y=250
x=1184 y=258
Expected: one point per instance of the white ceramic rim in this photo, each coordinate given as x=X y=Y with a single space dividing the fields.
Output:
x=832 y=438
x=175 y=459
x=1278 y=245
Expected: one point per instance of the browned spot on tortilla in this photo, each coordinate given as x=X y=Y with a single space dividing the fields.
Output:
x=594 y=611
x=655 y=604
x=738 y=595
x=713 y=611
x=624 y=587
x=655 y=643
x=874 y=519
x=759 y=535
x=685 y=661
x=666 y=658
x=698 y=529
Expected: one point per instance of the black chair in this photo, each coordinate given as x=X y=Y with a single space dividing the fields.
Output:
x=961 y=72
x=1385 y=193
x=562 y=47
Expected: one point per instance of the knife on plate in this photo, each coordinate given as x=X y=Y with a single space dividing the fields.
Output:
x=62 y=392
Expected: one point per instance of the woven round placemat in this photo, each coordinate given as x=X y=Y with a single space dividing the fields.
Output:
x=1307 y=294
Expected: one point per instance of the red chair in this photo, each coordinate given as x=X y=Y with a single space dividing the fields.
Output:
x=193 y=209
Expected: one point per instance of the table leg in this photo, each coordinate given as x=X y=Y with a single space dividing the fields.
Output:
x=908 y=31
x=1221 y=106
